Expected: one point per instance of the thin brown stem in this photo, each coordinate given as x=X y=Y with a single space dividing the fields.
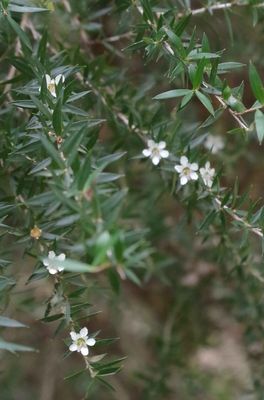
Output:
x=236 y=217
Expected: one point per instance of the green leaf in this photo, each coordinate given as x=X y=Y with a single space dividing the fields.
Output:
x=198 y=74
x=20 y=33
x=42 y=47
x=198 y=56
x=172 y=93
x=256 y=83
x=228 y=66
x=41 y=107
x=114 y=279
x=77 y=96
x=103 y=244
x=259 y=121
x=186 y=99
x=25 y=9
x=205 y=101
x=40 y=166
x=13 y=347
x=75 y=141
x=176 y=41
x=28 y=104
x=105 y=177
x=57 y=118
x=70 y=109
x=51 y=150
x=75 y=374
x=84 y=172
x=208 y=220
x=147 y=10
x=235 y=104
x=106 y=160
x=52 y=318
x=182 y=24
x=11 y=323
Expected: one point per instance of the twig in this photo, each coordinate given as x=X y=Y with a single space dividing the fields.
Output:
x=217 y=7
x=235 y=115
x=125 y=121
x=249 y=110
x=116 y=38
x=232 y=213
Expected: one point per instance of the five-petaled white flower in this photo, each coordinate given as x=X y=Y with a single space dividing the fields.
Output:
x=187 y=170
x=214 y=143
x=81 y=341
x=207 y=174
x=52 y=83
x=54 y=267
x=156 y=151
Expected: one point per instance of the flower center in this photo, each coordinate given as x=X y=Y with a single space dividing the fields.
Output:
x=186 y=171
x=80 y=342
x=155 y=151
x=51 y=87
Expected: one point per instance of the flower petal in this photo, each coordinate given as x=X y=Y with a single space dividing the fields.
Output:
x=61 y=257
x=83 y=332
x=184 y=161
x=184 y=180
x=52 y=255
x=53 y=92
x=48 y=79
x=46 y=262
x=161 y=145
x=58 y=78
x=150 y=143
x=52 y=270
x=90 y=342
x=178 y=168
x=155 y=160
x=194 y=166
x=73 y=347
x=194 y=176
x=146 y=152
x=84 y=351
x=73 y=335
x=164 y=153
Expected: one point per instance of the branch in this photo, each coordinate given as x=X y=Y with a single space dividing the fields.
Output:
x=234 y=114
x=223 y=6
x=236 y=217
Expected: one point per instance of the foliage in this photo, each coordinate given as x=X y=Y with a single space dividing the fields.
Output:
x=74 y=180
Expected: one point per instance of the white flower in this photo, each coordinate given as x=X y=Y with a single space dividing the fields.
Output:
x=52 y=83
x=156 y=151
x=207 y=174
x=214 y=143
x=81 y=341
x=52 y=267
x=187 y=170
